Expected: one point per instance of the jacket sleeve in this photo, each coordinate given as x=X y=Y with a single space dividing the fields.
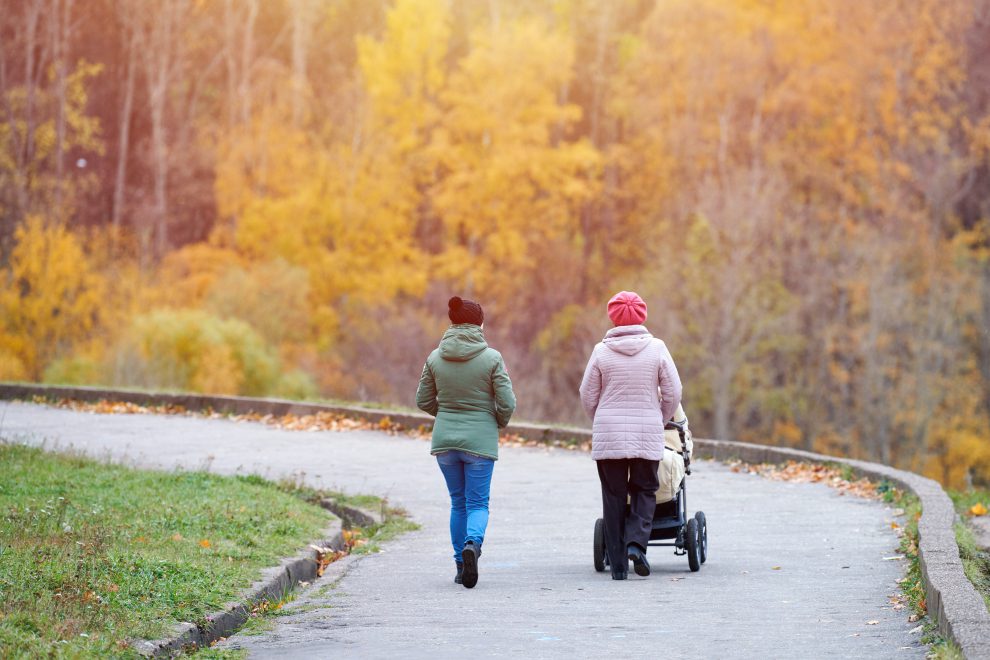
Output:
x=670 y=384
x=591 y=386
x=505 y=398
x=426 y=393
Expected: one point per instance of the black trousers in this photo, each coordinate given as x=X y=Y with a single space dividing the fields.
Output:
x=632 y=480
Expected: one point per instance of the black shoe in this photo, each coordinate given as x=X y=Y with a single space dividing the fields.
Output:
x=638 y=557
x=619 y=575
x=460 y=572
x=469 y=577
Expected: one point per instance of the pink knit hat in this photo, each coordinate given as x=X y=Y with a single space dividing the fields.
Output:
x=627 y=308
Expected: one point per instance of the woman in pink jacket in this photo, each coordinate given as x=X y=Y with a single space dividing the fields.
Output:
x=620 y=393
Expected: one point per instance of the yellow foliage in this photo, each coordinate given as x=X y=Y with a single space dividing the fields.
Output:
x=959 y=453
x=186 y=276
x=50 y=299
x=217 y=372
x=786 y=433
x=36 y=179
x=404 y=72
x=11 y=366
x=511 y=199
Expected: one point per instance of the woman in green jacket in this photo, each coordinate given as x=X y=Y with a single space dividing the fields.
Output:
x=466 y=387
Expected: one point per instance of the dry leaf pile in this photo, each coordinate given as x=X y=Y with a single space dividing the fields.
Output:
x=321 y=421
x=802 y=473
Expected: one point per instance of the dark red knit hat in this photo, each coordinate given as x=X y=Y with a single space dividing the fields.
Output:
x=627 y=308
x=465 y=311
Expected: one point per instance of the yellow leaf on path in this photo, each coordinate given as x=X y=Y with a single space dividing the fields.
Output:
x=204 y=543
x=776 y=568
x=978 y=509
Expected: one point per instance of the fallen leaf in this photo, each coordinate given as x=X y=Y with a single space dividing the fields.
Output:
x=776 y=568
x=872 y=622
x=978 y=509
x=894 y=525
x=204 y=543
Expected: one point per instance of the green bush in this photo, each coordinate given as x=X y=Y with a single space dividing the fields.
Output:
x=197 y=351
x=77 y=370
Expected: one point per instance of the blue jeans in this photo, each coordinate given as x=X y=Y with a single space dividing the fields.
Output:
x=469 y=480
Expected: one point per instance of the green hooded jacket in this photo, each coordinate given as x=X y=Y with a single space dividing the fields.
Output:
x=466 y=387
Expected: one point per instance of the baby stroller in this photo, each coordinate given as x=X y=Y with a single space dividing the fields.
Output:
x=671 y=525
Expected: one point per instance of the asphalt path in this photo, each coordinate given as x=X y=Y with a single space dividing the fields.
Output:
x=794 y=570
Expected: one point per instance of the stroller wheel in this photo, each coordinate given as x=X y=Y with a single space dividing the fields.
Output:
x=693 y=545
x=703 y=532
x=599 y=545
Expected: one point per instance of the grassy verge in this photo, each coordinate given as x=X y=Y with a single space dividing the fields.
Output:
x=975 y=560
x=369 y=539
x=92 y=555
x=912 y=585
x=363 y=540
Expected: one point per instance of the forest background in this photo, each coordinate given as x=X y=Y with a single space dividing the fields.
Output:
x=277 y=198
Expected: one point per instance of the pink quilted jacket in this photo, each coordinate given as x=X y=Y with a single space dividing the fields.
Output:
x=619 y=392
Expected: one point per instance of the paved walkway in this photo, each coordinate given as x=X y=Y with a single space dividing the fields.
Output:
x=538 y=595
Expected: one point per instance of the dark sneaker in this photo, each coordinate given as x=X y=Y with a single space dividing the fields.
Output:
x=469 y=577
x=619 y=575
x=638 y=557
x=460 y=572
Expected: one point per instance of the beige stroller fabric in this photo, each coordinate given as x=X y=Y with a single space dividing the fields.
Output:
x=671 y=469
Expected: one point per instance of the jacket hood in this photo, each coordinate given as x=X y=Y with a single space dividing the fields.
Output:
x=628 y=339
x=462 y=342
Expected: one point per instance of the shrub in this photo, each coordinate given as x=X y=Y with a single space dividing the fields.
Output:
x=194 y=350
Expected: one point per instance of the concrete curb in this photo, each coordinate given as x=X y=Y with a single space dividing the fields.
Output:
x=274 y=584
x=953 y=602
x=354 y=516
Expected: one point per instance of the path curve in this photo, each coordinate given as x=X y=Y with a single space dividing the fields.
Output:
x=538 y=594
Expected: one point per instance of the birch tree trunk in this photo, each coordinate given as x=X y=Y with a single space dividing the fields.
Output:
x=123 y=143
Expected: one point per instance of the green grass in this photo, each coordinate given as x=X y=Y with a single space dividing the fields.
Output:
x=965 y=499
x=912 y=585
x=395 y=520
x=92 y=555
x=393 y=526
x=301 y=489
x=975 y=560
